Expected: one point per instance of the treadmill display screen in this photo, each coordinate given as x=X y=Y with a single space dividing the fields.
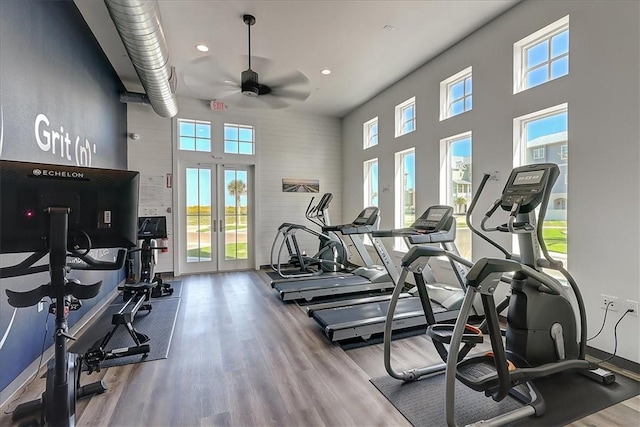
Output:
x=436 y=214
x=528 y=178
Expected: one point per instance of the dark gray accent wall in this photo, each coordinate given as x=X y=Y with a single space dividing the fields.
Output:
x=59 y=104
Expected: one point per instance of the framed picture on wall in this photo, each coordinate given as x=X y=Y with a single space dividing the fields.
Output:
x=296 y=185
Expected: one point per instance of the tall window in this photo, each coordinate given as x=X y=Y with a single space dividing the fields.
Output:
x=194 y=135
x=456 y=94
x=547 y=129
x=370 y=133
x=455 y=185
x=238 y=139
x=405 y=201
x=542 y=56
x=406 y=117
x=371 y=183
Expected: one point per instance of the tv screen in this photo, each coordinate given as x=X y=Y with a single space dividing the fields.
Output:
x=153 y=227
x=103 y=205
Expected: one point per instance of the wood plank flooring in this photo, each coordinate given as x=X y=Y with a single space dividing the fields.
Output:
x=242 y=357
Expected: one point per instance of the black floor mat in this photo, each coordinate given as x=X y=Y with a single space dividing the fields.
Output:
x=568 y=397
x=157 y=324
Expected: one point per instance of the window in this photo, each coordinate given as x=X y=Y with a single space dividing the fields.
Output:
x=564 y=152
x=194 y=135
x=370 y=133
x=405 y=202
x=371 y=183
x=406 y=117
x=538 y=153
x=238 y=139
x=542 y=56
x=455 y=185
x=548 y=130
x=455 y=94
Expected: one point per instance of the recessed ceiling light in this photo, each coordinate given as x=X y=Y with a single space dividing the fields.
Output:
x=326 y=71
x=202 y=48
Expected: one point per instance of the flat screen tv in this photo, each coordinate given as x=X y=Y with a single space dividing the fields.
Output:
x=103 y=205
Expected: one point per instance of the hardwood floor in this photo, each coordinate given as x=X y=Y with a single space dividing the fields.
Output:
x=242 y=357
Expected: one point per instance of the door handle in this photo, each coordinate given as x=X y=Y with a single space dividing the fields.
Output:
x=221 y=226
x=215 y=228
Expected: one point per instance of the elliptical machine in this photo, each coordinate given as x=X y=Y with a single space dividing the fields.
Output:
x=332 y=254
x=544 y=335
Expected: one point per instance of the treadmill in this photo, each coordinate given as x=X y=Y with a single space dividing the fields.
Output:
x=362 y=318
x=369 y=278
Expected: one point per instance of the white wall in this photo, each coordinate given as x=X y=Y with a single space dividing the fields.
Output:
x=288 y=146
x=603 y=94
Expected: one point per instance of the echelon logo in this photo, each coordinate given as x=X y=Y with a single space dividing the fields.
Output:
x=57 y=174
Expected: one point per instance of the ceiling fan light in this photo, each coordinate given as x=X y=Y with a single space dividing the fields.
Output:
x=250 y=86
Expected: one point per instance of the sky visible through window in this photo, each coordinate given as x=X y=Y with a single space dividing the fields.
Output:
x=547 y=126
x=548 y=59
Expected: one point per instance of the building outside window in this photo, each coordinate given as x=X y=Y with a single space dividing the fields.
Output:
x=406 y=117
x=548 y=130
x=239 y=139
x=370 y=133
x=456 y=94
x=542 y=56
x=194 y=135
x=455 y=185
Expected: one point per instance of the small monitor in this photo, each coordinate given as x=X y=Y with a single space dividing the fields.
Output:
x=152 y=227
x=529 y=178
x=103 y=205
x=368 y=216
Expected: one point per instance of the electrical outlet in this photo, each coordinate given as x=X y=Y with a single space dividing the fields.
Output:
x=632 y=305
x=608 y=300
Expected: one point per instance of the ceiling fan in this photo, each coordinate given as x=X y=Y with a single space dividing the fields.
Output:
x=277 y=92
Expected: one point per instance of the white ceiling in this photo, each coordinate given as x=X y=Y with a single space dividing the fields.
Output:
x=306 y=36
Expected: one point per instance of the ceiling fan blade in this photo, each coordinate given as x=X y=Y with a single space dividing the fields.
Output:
x=290 y=79
x=271 y=101
x=295 y=95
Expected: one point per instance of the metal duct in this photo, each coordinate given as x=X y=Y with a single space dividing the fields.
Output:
x=138 y=23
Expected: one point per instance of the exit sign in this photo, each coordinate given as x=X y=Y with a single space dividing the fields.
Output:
x=217 y=105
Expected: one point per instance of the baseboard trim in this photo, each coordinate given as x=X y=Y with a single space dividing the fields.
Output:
x=617 y=361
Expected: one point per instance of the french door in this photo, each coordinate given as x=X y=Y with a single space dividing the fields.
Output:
x=214 y=217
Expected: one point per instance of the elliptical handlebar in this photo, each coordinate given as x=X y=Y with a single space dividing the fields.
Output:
x=495 y=206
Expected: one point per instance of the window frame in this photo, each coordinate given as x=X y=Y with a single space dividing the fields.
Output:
x=446 y=100
x=521 y=47
x=238 y=141
x=446 y=177
x=538 y=153
x=520 y=156
x=400 y=190
x=368 y=135
x=399 y=117
x=367 y=167
x=195 y=136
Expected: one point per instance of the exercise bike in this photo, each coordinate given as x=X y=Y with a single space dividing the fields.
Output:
x=149 y=229
x=64 y=212
x=56 y=407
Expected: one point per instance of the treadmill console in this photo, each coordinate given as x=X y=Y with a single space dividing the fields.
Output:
x=527 y=185
x=434 y=219
x=368 y=216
